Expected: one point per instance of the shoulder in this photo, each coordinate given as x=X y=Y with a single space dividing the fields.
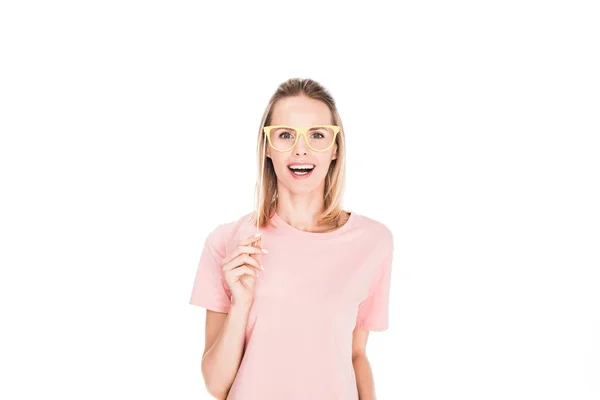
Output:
x=232 y=230
x=374 y=226
x=376 y=230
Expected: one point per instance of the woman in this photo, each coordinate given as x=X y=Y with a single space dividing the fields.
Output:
x=292 y=321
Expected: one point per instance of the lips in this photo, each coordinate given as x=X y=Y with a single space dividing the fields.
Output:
x=301 y=173
x=301 y=169
x=301 y=164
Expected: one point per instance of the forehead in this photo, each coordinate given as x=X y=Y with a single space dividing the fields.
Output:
x=300 y=111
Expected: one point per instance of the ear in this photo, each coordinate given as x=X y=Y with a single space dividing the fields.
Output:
x=335 y=153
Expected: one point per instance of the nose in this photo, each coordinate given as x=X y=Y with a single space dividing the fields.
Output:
x=301 y=146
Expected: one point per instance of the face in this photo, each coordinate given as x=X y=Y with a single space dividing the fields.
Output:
x=301 y=111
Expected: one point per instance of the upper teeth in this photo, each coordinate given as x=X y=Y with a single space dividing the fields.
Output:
x=306 y=166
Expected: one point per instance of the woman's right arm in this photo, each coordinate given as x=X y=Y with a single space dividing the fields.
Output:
x=225 y=336
x=226 y=332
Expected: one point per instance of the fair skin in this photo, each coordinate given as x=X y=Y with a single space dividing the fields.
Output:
x=300 y=201
x=299 y=204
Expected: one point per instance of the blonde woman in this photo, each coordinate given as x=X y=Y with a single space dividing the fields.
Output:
x=288 y=312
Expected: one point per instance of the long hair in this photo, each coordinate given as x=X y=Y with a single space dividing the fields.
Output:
x=335 y=180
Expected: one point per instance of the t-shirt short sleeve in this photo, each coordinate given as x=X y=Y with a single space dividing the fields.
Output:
x=373 y=312
x=210 y=290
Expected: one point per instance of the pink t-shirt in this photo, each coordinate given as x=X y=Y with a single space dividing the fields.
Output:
x=314 y=290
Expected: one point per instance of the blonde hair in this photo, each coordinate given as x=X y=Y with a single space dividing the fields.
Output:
x=335 y=180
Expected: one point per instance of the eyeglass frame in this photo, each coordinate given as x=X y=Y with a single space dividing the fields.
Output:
x=302 y=131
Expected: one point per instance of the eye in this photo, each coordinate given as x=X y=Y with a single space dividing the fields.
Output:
x=282 y=134
x=318 y=134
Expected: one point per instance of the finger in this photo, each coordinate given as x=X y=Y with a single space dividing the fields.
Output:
x=243 y=270
x=250 y=239
x=257 y=243
x=241 y=260
x=249 y=260
x=239 y=250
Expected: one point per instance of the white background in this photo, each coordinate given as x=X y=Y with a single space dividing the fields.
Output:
x=128 y=133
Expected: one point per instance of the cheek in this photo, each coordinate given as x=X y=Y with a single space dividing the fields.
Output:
x=279 y=162
x=325 y=160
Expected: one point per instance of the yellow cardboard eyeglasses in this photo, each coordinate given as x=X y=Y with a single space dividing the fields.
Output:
x=285 y=137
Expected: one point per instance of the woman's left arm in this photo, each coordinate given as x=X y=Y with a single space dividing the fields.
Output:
x=362 y=367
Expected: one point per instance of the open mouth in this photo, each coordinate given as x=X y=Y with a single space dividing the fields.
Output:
x=301 y=171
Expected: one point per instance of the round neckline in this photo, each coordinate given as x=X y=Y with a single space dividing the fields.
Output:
x=280 y=222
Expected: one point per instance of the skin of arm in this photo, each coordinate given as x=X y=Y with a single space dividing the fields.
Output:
x=224 y=347
x=362 y=367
